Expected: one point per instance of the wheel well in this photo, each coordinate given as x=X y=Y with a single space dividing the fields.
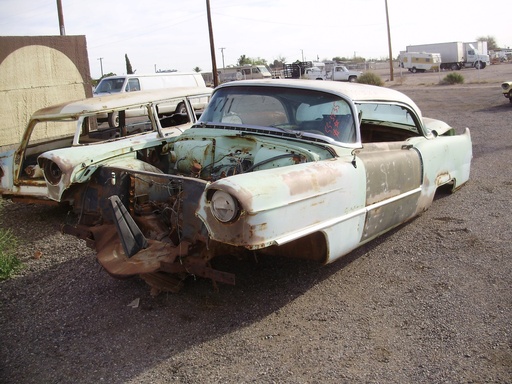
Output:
x=311 y=247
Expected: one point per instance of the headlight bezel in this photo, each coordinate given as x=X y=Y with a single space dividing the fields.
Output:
x=52 y=172
x=224 y=206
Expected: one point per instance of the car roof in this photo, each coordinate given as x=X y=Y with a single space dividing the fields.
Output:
x=356 y=92
x=116 y=101
x=158 y=74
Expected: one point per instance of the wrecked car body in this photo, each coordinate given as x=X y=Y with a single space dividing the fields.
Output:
x=65 y=144
x=273 y=167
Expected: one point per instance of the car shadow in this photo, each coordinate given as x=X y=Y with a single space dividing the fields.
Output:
x=506 y=107
x=72 y=321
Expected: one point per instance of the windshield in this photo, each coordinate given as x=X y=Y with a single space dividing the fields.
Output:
x=263 y=69
x=297 y=110
x=110 y=85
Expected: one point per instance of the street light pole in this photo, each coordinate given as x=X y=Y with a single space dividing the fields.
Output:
x=389 y=44
x=61 y=18
x=101 y=65
x=212 y=46
x=222 y=52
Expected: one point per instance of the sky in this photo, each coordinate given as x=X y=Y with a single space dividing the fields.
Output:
x=173 y=34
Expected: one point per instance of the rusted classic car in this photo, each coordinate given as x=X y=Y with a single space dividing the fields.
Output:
x=273 y=167
x=65 y=144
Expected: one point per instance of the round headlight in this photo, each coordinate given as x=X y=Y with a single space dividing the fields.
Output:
x=224 y=206
x=52 y=172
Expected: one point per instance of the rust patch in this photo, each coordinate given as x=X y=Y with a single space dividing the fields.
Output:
x=311 y=179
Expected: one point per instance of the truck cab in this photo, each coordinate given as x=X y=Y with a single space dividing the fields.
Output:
x=335 y=72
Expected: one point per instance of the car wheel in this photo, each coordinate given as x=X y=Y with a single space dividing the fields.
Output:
x=352 y=79
x=181 y=108
x=510 y=96
x=478 y=65
x=113 y=120
x=454 y=67
x=413 y=70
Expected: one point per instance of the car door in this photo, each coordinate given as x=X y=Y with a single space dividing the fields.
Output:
x=393 y=185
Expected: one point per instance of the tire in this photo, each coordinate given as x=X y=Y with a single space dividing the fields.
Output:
x=454 y=67
x=510 y=96
x=181 y=108
x=413 y=70
x=478 y=65
x=352 y=79
x=113 y=120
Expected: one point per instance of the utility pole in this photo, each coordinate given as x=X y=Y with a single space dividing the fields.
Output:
x=389 y=44
x=212 y=46
x=61 y=18
x=101 y=65
x=222 y=52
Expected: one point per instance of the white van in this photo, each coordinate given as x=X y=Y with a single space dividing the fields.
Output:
x=145 y=82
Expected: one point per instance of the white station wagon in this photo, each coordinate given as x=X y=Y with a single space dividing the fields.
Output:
x=275 y=167
x=63 y=145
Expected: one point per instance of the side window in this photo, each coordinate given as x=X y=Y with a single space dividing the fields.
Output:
x=133 y=85
x=173 y=112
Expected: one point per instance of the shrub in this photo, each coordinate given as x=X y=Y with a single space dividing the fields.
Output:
x=453 y=78
x=370 y=78
x=9 y=263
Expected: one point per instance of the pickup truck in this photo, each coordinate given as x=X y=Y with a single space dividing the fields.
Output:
x=337 y=73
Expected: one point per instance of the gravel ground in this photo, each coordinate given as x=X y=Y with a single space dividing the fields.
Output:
x=429 y=302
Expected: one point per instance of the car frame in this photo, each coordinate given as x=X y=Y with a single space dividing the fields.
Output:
x=54 y=170
x=275 y=167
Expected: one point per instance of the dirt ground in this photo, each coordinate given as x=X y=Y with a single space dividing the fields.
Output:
x=430 y=302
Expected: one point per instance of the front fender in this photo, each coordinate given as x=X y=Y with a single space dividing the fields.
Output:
x=283 y=204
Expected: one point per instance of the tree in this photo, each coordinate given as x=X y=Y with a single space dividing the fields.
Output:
x=278 y=63
x=491 y=42
x=243 y=60
x=258 y=61
x=129 y=70
x=95 y=82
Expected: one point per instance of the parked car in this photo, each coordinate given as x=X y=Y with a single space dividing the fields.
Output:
x=145 y=82
x=64 y=144
x=506 y=89
x=275 y=167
